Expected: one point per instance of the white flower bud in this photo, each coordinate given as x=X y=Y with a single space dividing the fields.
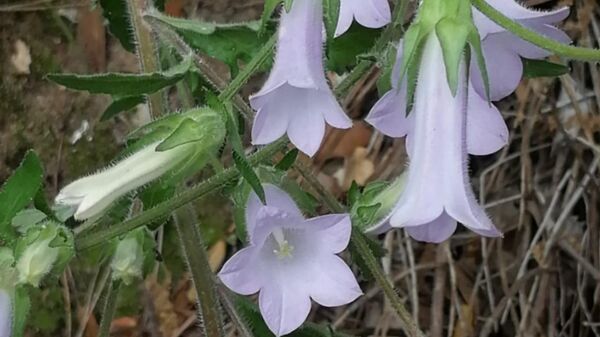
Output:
x=128 y=260
x=36 y=261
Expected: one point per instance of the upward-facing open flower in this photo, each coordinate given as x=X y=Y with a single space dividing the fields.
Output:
x=369 y=13
x=503 y=50
x=440 y=132
x=290 y=260
x=296 y=98
x=5 y=314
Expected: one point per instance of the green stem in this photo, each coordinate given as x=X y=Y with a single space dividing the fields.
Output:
x=147 y=52
x=110 y=306
x=192 y=245
x=571 y=52
x=360 y=245
x=90 y=239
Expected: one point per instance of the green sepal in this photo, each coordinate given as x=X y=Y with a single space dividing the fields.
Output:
x=452 y=35
x=331 y=14
x=474 y=41
x=208 y=131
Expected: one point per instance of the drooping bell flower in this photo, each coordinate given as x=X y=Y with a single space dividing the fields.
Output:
x=291 y=260
x=296 y=99
x=446 y=123
x=190 y=138
x=369 y=13
x=504 y=49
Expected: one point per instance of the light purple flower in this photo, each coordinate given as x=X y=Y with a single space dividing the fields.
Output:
x=369 y=13
x=441 y=130
x=503 y=50
x=5 y=314
x=290 y=260
x=296 y=97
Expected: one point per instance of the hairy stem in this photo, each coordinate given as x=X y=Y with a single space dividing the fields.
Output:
x=192 y=245
x=147 y=52
x=109 y=309
x=571 y=52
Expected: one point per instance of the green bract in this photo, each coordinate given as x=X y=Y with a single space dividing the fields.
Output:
x=452 y=22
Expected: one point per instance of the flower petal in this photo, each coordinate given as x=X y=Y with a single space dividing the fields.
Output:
x=486 y=129
x=334 y=284
x=332 y=232
x=369 y=13
x=388 y=115
x=283 y=307
x=277 y=199
x=5 y=314
x=503 y=79
x=437 y=231
x=307 y=127
x=241 y=274
x=270 y=123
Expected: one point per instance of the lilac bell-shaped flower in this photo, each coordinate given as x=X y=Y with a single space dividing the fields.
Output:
x=369 y=13
x=503 y=50
x=290 y=260
x=296 y=99
x=5 y=314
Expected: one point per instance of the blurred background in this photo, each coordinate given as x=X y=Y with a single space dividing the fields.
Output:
x=543 y=191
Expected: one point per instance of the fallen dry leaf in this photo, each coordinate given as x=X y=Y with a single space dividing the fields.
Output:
x=21 y=59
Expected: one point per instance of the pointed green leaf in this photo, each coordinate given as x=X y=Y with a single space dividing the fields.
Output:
x=288 y=160
x=117 y=15
x=345 y=51
x=270 y=6
x=542 y=68
x=120 y=105
x=229 y=43
x=474 y=41
x=453 y=39
x=249 y=175
x=120 y=84
x=331 y=9
x=19 y=190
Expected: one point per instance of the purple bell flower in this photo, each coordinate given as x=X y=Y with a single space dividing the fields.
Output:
x=442 y=132
x=369 y=13
x=290 y=260
x=5 y=314
x=296 y=99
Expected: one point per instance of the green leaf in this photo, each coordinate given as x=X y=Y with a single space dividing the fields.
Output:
x=19 y=190
x=117 y=15
x=344 y=51
x=288 y=160
x=331 y=9
x=21 y=306
x=229 y=43
x=270 y=6
x=121 y=104
x=542 y=68
x=120 y=84
x=249 y=175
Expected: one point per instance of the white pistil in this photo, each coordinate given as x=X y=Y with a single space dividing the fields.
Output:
x=285 y=249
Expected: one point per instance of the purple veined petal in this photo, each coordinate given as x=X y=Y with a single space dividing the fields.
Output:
x=487 y=131
x=504 y=67
x=332 y=232
x=369 y=13
x=241 y=274
x=276 y=199
x=434 y=139
x=530 y=51
x=388 y=115
x=283 y=307
x=334 y=284
x=515 y=11
x=437 y=231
